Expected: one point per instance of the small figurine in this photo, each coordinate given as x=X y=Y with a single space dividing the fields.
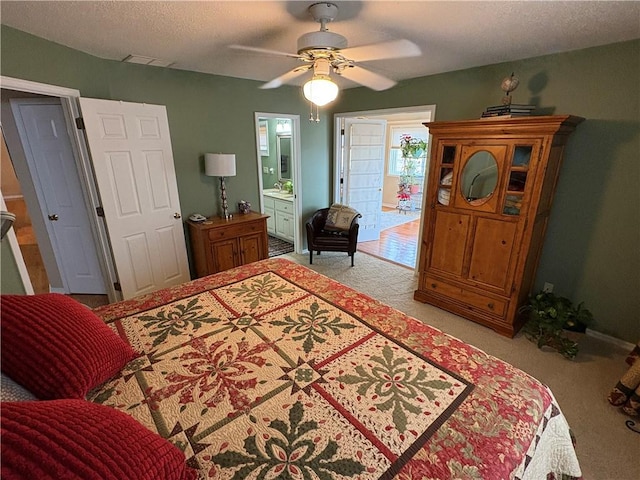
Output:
x=509 y=84
x=244 y=207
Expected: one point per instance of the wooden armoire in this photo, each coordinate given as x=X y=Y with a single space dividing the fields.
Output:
x=490 y=189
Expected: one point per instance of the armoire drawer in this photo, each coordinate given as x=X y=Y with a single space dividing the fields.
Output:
x=475 y=301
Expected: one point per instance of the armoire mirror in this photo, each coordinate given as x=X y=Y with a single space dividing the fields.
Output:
x=283 y=155
x=479 y=178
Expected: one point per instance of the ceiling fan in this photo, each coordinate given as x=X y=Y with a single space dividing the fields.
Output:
x=324 y=51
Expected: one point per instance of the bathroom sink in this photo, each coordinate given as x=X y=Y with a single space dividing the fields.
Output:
x=275 y=193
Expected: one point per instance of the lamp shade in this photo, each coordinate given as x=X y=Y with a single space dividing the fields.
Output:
x=320 y=90
x=220 y=164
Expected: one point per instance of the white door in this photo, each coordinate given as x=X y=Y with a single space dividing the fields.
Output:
x=47 y=146
x=132 y=159
x=364 y=149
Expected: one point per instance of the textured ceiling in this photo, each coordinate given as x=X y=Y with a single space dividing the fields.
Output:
x=452 y=35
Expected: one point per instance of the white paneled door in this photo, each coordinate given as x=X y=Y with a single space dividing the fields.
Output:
x=364 y=148
x=42 y=129
x=132 y=158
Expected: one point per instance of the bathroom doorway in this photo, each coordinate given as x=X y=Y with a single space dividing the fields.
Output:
x=279 y=174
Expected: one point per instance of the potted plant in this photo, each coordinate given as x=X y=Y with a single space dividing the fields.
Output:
x=408 y=176
x=412 y=148
x=550 y=316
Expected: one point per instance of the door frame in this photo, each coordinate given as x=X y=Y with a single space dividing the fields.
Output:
x=70 y=106
x=296 y=165
x=417 y=113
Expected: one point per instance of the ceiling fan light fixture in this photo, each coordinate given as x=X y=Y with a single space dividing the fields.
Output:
x=320 y=90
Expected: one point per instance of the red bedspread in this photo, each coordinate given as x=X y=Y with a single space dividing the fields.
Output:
x=274 y=371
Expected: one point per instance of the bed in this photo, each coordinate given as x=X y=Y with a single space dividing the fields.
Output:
x=271 y=370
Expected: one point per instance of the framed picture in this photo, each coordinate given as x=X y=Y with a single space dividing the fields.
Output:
x=263 y=135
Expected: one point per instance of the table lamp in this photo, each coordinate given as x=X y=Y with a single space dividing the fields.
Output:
x=221 y=165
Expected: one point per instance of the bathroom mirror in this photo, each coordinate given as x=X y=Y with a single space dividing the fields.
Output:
x=283 y=156
x=479 y=178
x=280 y=144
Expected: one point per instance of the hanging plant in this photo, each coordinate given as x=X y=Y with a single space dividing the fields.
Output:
x=412 y=147
x=550 y=316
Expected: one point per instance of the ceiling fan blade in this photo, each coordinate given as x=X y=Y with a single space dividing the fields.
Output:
x=367 y=78
x=290 y=75
x=264 y=50
x=380 y=51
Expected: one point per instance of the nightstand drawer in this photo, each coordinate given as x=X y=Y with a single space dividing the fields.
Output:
x=235 y=231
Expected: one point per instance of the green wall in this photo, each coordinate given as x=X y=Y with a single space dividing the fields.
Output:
x=207 y=113
x=10 y=281
x=591 y=253
x=592 y=247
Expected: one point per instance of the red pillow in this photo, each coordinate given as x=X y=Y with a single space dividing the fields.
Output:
x=77 y=439
x=56 y=347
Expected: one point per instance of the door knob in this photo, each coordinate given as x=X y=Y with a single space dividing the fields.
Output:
x=53 y=218
x=177 y=215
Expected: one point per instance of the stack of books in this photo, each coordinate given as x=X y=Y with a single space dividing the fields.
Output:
x=507 y=111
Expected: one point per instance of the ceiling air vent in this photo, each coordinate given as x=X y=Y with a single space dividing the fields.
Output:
x=147 y=61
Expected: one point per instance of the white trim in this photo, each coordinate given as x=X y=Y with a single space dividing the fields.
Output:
x=17 y=255
x=399 y=111
x=11 y=83
x=609 y=339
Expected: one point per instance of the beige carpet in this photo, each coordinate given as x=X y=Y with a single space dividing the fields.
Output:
x=606 y=448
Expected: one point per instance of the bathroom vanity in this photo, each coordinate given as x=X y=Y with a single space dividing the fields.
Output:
x=279 y=206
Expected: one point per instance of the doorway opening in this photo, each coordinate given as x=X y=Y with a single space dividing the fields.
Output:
x=400 y=224
x=57 y=258
x=279 y=178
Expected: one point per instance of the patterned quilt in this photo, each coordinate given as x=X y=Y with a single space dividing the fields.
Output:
x=274 y=371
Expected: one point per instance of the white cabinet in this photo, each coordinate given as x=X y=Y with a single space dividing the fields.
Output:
x=270 y=209
x=281 y=221
x=284 y=219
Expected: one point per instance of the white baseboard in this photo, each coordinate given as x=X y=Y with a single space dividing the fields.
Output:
x=608 y=338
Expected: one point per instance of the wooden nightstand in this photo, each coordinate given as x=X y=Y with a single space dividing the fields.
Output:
x=219 y=244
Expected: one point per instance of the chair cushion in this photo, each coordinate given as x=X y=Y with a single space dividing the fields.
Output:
x=80 y=440
x=340 y=217
x=342 y=242
x=56 y=347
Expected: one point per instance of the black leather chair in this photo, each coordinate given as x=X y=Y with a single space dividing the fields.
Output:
x=322 y=240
